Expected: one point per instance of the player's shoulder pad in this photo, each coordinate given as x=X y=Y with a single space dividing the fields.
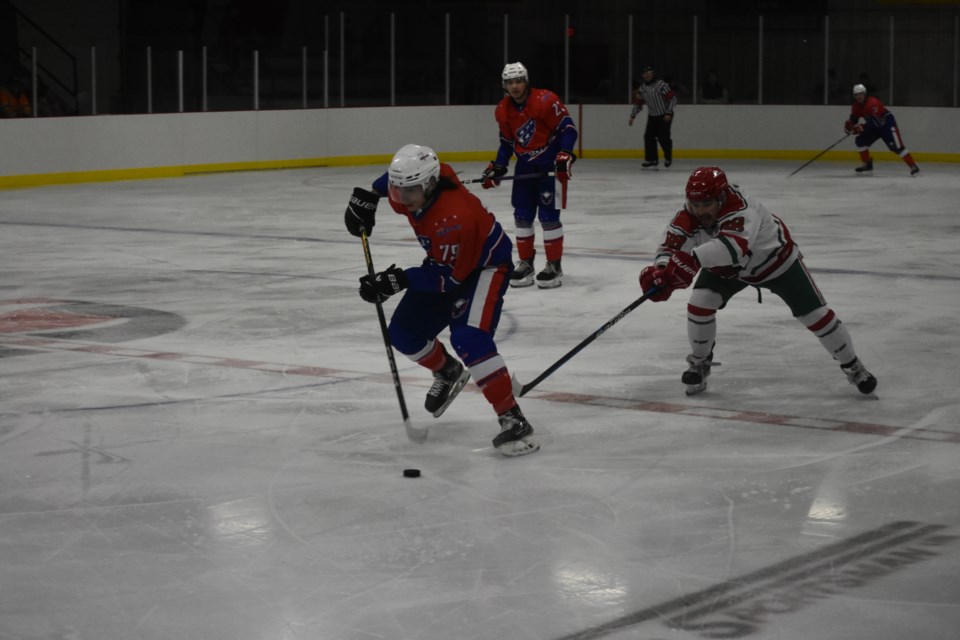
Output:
x=685 y=222
x=446 y=171
x=544 y=95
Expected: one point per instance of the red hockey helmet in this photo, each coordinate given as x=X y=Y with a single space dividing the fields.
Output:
x=707 y=183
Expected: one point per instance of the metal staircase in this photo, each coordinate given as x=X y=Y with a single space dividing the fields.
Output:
x=34 y=54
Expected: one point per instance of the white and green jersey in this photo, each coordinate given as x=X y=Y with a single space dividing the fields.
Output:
x=747 y=242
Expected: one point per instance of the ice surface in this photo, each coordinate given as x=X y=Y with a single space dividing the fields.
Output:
x=200 y=438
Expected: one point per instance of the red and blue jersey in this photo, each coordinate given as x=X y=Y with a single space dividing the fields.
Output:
x=873 y=112
x=458 y=233
x=536 y=130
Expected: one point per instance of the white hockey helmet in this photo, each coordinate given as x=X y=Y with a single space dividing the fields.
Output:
x=514 y=71
x=859 y=88
x=414 y=169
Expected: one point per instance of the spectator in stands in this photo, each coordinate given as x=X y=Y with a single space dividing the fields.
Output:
x=15 y=100
x=836 y=91
x=49 y=103
x=711 y=91
x=680 y=89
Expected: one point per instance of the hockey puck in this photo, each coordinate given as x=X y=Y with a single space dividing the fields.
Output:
x=411 y=473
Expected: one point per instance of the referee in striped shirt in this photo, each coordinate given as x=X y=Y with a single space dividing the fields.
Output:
x=661 y=101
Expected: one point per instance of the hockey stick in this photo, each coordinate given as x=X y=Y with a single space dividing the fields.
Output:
x=820 y=154
x=522 y=389
x=525 y=176
x=414 y=434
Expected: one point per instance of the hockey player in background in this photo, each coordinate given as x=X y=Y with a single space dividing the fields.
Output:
x=733 y=242
x=459 y=285
x=660 y=101
x=536 y=127
x=879 y=123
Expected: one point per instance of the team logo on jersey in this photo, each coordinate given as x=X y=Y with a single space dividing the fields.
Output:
x=459 y=308
x=449 y=228
x=733 y=224
x=424 y=242
x=525 y=132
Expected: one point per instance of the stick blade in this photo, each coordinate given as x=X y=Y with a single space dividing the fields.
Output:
x=517 y=385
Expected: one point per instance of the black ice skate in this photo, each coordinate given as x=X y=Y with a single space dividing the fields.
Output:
x=447 y=383
x=522 y=275
x=866 y=167
x=515 y=434
x=649 y=164
x=858 y=376
x=667 y=162
x=551 y=276
x=914 y=170
x=696 y=376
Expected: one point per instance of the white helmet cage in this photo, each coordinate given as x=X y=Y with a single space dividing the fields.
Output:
x=514 y=71
x=859 y=88
x=412 y=166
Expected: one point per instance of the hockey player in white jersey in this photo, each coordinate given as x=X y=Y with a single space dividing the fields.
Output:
x=733 y=242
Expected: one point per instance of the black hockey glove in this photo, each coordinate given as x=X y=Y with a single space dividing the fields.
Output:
x=380 y=286
x=492 y=174
x=361 y=212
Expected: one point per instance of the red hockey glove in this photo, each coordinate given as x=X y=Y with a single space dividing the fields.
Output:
x=653 y=276
x=681 y=269
x=564 y=165
x=852 y=127
x=491 y=177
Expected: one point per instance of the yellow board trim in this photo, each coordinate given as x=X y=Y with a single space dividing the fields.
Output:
x=879 y=155
x=146 y=173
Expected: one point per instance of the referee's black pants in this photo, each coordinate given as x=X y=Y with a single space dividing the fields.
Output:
x=658 y=130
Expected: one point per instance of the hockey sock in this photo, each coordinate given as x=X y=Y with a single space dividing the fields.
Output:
x=525 y=238
x=433 y=357
x=701 y=330
x=865 y=156
x=825 y=324
x=494 y=380
x=498 y=390
x=553 y=241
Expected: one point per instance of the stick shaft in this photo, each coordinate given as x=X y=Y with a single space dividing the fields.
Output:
x=811 y=160
x=586 y=341
x=525 y=176
x=413 y=434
